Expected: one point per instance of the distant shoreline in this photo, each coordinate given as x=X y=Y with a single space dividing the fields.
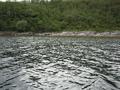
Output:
x=67 y=33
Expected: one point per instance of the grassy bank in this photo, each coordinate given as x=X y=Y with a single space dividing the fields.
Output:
x=57 y=16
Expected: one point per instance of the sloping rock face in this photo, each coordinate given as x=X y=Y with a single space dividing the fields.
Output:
x=59 y=63
x=102 y=83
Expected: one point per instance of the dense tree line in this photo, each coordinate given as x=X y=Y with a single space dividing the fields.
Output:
x=58 y=15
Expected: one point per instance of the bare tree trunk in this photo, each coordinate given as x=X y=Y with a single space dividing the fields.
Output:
x=15 y=0
x=8 y=0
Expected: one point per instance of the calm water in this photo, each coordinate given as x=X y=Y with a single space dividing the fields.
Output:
x=51 y=63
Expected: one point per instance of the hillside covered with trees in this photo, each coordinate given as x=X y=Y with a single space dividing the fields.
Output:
x=58 y=15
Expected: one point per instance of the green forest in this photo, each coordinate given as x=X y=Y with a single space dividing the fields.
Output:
x=60 y=15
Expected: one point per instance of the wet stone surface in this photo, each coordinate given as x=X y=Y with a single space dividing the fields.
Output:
x=59 y=63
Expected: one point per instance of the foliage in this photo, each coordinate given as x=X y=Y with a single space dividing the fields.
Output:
x=58 y=15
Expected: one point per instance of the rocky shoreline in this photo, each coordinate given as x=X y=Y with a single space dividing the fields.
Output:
x=89 y=33
x=81 y=33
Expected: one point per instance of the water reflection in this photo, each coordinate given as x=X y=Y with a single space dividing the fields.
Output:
x=54 y=63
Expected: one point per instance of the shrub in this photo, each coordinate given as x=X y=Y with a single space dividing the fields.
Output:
x=22 y=25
